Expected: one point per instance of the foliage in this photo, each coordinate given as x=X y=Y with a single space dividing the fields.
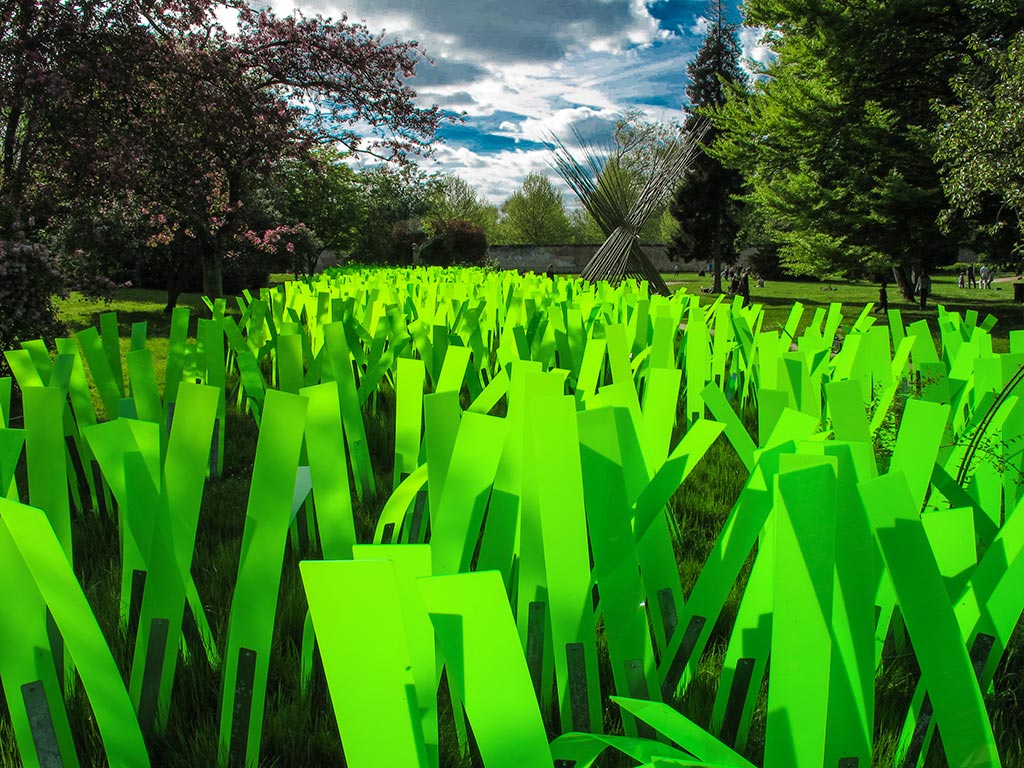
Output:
x=980 y=145
x=835 y=144
x=704 y=203
x=535 y=214
x=455 y=241
x=585 y=230
x=324 y=195
x=438 y=242
x=162 y=107
x=455 y=198
x=390 y=195
x=29 y=279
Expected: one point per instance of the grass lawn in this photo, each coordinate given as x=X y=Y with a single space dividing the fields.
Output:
x=778 y=296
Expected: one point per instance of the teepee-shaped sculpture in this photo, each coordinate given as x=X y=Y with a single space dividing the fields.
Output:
x=607 y=189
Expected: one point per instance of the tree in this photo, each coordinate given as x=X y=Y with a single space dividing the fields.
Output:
x=324 y=195
x=980 y=147
x=390 y=195
x=585 y=231
x=160 y=104
x=836 y=144
x=535 y=213
x=455 y=198
x=704 y=203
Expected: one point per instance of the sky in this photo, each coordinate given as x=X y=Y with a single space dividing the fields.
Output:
x=523 y=69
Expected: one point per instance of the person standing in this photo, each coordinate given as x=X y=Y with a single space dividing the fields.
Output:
x=745 y=288
x=971 y=283
x=925 y=284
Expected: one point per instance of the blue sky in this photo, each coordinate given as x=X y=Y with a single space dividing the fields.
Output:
x=523 y=69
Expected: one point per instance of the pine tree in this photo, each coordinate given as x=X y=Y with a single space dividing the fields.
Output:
x=703 y=204
x=837 y=144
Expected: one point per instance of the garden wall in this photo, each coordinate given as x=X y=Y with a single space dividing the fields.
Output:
x=570 y=259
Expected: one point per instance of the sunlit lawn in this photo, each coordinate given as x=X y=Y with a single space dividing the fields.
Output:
x=778 y=296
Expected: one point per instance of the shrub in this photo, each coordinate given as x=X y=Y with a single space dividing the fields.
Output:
x=29 y=279
x=406 y=237
x=465 y=243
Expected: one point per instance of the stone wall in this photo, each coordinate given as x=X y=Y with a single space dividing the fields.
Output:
x=570 y=259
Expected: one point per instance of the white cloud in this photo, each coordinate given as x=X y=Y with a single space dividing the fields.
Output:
x=555 y=64
x=753 y=50
x=495 y=176
x=700 y=26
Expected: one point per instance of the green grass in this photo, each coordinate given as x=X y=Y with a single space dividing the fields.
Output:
x=778 y=296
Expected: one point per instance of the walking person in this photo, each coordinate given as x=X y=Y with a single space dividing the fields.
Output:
x=883 y=299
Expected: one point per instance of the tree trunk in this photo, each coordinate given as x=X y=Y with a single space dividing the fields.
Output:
x=716 y=278
x=903 y=283
x=174 y=285
x=213 y=274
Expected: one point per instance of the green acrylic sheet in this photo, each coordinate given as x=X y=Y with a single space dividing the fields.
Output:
x=12 y=441
x=697 y=341
x=742 y=527
x=990 y=606
x=946 y=668
x=254 y=604
x=357 y=611
x=396 y=509
x=486 y=668
x=801 y=651
x=553 y=442
x=290 y=374
x=138 y=335
x=175 y=517
x=495 y=390
x=110 y=442
x=921 y=433
x=25 y=658
x=340 y=358
x=39 y=358
x=80 y=414
x=724 y=345
x=456 y=522
x=176 y=354
x=111 y=340
x=41 y=552
x=654 y=531
x=253 y=385
x=412 y=561
x=99 y=366
x=142 y=377
x=746 y=658
x=45 y=456
x=6 y=386
x=884 y=401
x=582 y=750
x=682 y=731
x=498 y=544
x=530 y=589
x=325 y=448
x=616 y=563
x=851 y=686
x=734 y=430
